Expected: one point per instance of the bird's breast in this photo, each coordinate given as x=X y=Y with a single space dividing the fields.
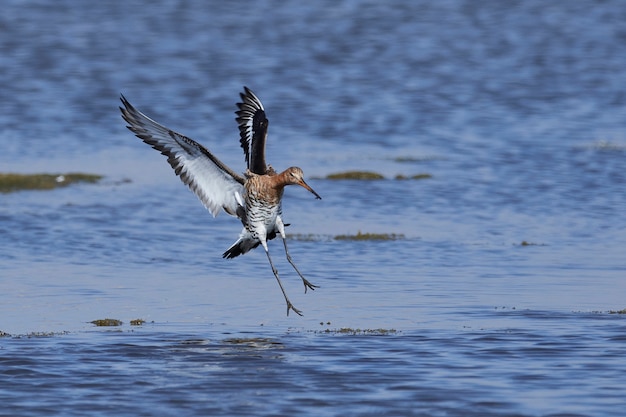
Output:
x=262 y=215
x=262 y=203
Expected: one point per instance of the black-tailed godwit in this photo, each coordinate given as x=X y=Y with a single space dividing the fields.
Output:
x=254 y=198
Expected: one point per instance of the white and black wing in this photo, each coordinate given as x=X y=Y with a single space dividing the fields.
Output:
x=252 y=130
x=216 y=185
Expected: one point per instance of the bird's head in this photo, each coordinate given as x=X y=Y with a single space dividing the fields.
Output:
x=295 y=176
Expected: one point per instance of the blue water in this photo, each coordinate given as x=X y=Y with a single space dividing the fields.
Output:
x=516 y=109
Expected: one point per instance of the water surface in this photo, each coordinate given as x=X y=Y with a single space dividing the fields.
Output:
x=497 y=300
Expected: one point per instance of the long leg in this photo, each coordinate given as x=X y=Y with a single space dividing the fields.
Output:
x=306 y=282
x=280 y=284
x=281 y=230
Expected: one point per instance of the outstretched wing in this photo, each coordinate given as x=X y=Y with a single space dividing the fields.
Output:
x=216 y=185
x=252 y=130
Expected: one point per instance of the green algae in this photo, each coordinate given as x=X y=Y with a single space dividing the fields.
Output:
x=10 y=182
x=107 y=322
x=413 y=177
x=356 y=175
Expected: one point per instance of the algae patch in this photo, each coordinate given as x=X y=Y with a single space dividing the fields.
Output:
x=370 y=236
x=355 y=175
x=253 y=342
x=107 y=322
x=18 y=182
x=413 y=177
x=527 y=243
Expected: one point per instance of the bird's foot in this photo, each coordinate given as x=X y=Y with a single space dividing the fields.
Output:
x=291 y=307
x=308 y=285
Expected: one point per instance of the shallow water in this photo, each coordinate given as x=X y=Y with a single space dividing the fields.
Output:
x=517 y=112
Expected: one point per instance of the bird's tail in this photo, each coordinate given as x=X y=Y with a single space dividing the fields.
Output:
x=240 y=247
x=245 y=244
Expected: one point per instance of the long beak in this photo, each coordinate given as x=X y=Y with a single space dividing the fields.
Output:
x=305 y=185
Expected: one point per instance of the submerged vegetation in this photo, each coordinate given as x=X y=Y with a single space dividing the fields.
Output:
x=370 y=236
x=18 y=182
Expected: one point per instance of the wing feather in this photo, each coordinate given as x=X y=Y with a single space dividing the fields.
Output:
x=252 y=131
x=215 y=184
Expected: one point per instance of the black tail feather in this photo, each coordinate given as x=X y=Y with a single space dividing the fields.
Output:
x=239 y=249
x=242 y=246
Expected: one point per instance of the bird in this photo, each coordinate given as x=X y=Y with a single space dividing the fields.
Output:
x=255 y=197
